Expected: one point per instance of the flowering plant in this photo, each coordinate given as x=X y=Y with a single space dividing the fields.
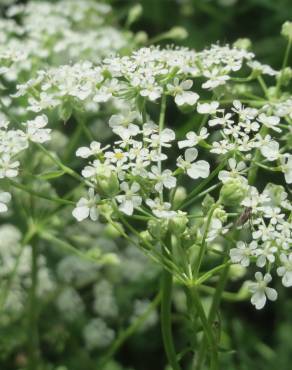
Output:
x=191 y=196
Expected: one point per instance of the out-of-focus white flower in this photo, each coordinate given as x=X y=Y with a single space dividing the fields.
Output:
x=5 y=198
x=285 y=270
x=87 y=207
x=260 y=290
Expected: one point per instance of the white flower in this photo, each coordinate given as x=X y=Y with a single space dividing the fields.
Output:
x=236 y=170
x=162 y=179
x=35 y=130
x=193 y=139
x=261 y=291
x=130 y=199
x=163 y=139
x=274 y=214
x=270 y=150
x=160 y=209
x=87 y=207
x=286 y=269
x=286 y=164
x=270 y=121
x=151 y=89
x=242 y=253
x=208 y=108
x=123 y=123
x=222 y=121
x=215 y=79
x=4 y=199
x=199 y=169
x=265 y=253
x=94 y=149
x=7 y=167
x=245 y=113
x=182 y=96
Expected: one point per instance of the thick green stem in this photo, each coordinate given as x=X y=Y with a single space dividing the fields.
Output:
x=166 y=289
x=33 y=337
x=210 y=342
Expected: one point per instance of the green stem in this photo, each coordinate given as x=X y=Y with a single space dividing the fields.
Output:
x=204 y=244
x=208 y=333
x=40 y=195
x=33 y=336
x=252 y=173
x=166 y=289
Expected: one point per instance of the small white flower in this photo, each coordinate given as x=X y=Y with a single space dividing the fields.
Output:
x=182 y=96
x=130 y=200
x=35 y=130
x=270 y=150
x=163 y=139
x=94 y=149
x=260 y=290
x=286 y=164
x=236 y=170
x=222 y=121
x=242 y=253
x=193 y=139
x=286 y=269
x=265 y=253
x=270 y=121
x=160 y=209
x=208 y=108
x=162 y=179
x=123 y=123
x=8 y=168
x=87 y=207
x=215 y=79
x=195 y=170
x=4 y=199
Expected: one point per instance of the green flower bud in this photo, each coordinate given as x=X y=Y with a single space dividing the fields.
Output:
x=141 y=37
x=146 y=236
x=158 y=228
x=107 y=182
x=243 y=44
x=287 y=30
x=176 y=33
x=178 y=224
x=285 y=76
x=134 y=14
x=179 y=196
x=220 y=213
x=233 y=192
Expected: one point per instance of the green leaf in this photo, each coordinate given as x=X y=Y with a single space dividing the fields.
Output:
x=51 y=175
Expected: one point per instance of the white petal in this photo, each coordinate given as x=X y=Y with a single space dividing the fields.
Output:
x=258 y=299
x=80 y=213
x=191 y=154
x=200 y=169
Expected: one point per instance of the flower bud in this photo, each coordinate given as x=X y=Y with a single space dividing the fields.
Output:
x=284 y=77
x=220 y=214
x=176 y=33
x=233 y=192
x=178 y=224
x=243 y=43
x=134 y=14
x=146 y=236
x=179 y=196
x=287 y=30
x=158 y=228
x=107 y=182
